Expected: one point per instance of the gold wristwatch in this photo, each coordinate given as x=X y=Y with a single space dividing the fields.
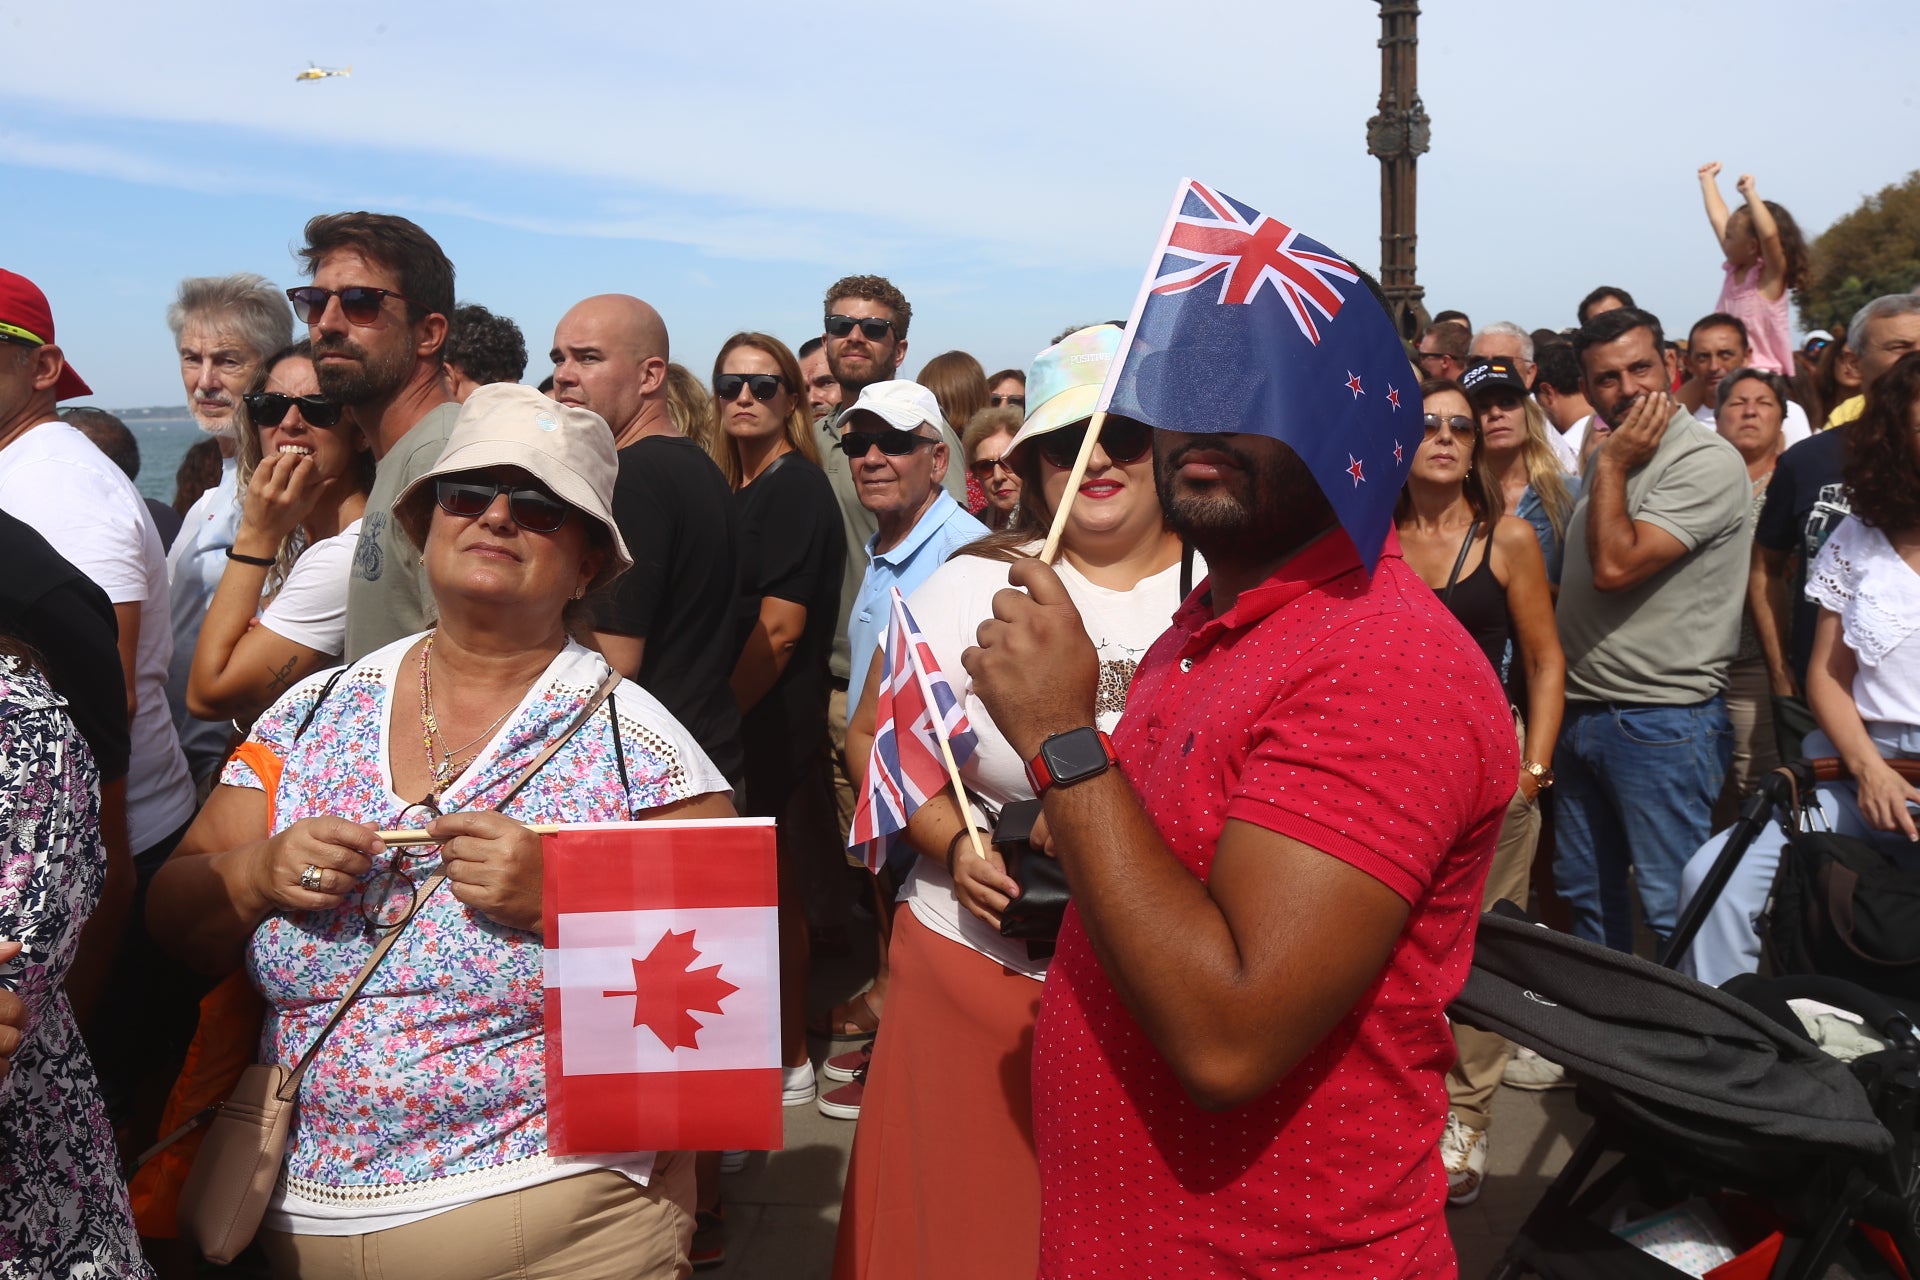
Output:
x=1541 y=774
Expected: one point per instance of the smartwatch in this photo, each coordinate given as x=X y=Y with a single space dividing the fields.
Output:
x=1070 y=757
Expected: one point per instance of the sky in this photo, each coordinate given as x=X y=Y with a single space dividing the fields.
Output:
x=1008 y=165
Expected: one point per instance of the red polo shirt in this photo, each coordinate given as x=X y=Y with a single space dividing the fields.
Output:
x=1357 y=717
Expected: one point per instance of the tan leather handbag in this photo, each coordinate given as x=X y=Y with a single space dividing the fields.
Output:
x=239 y=1161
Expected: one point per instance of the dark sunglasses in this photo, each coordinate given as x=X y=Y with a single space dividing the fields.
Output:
x=997 y=401
x=893 y=442
x=872 y=328
x=269 y=409
x=1123 y=439
x=1461 y=425
x=763 y=385
x=533 y=509
x=359 y=303
x=987 y=466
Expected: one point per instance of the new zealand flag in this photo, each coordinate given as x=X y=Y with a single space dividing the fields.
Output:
x=1246 y=325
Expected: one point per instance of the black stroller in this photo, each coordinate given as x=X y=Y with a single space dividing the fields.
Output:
x=1695 y=1090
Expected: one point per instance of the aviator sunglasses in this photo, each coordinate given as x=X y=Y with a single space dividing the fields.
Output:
x=893 y=442
x=1462 y=427
x=1123 y=439
x=532 y=508
x=269 y=409
x=359 y=303
x=727 y=386
x=1018 y=400
x=872 y=328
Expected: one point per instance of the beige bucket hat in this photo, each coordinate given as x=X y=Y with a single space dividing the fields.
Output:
x=568 y=450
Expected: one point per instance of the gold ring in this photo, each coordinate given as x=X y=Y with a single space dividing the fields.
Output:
x=311 y=878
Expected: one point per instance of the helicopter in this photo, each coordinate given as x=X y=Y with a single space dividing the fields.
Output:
x=315 y=71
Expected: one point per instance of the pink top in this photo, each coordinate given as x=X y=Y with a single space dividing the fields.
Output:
x=1768 y=331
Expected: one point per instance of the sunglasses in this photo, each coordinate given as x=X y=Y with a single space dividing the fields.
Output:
x=1459 y=424
x=893 y=442
x=727 y=386
x=987 y=466
x=269 y=409
x=872 y=328
x=359 y=303
x=1123 y=439
x=532 y=508
x=997 y=401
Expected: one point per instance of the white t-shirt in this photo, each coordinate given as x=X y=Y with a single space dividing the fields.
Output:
x=194 y=566
x=1859 y=576
x=1793 y=428
x=1566 y=444
x=311 y=607
x=54 y=479
x=950 y=606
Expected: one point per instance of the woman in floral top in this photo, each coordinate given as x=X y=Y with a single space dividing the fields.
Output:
x=63 y=1208
x=420 y=1140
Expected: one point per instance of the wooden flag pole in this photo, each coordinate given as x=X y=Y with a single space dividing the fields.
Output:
x=401 y=839
x=946 y=748
x=1074 y=477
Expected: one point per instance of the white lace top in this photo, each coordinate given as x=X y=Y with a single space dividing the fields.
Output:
x=1859 y=576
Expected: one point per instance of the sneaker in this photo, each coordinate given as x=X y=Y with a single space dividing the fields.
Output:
x=732 y=1161
x=796 y=1085
x=1463 y=1149
x=846 y=1066
x=1528 y=1070
x=709 y=1239
x=844 y=1103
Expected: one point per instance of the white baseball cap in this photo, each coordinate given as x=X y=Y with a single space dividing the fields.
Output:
x=898 y=403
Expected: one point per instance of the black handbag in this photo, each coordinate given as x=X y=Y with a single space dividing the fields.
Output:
x=1035 y=915
x=1843 y=909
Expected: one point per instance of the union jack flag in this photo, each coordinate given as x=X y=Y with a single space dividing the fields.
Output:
x=917 y=708
x=1213 y=237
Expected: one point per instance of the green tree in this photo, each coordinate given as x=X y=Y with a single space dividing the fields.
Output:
x=1872 y=251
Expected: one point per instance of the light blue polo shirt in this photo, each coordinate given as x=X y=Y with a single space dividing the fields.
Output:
x=945 y=527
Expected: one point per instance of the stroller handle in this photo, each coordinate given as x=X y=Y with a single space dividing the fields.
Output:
x=1832 y=770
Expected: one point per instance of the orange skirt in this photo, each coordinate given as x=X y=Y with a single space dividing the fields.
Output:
x=943 y=1181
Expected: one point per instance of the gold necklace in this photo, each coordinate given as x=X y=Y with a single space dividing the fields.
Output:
x=442 y=767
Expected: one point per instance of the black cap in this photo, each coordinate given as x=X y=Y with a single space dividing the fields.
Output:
x=1491 y=373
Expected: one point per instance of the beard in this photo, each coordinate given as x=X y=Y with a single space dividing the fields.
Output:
x=1616 y=413
x=372 y=378
x=878 y=370
x=218 y=428
x=1271 y=506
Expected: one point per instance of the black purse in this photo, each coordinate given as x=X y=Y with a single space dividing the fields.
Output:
x=1035 y=915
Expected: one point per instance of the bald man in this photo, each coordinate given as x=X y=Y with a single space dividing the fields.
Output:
x=667 y=623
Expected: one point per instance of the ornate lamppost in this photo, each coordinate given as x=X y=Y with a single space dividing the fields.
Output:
x=1398 y=133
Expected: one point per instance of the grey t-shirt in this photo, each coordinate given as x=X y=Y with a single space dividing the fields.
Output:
x=387 y=595
x=861 y=524
x=1668 y=640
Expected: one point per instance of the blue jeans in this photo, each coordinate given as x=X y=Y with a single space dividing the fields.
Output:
x=1635 y=785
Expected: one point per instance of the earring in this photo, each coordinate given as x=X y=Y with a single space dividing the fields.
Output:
x=579 y=592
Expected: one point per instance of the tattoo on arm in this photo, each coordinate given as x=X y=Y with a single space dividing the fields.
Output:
x=278 y=680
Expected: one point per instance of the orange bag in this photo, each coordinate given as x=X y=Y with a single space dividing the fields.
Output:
x=225 y=1044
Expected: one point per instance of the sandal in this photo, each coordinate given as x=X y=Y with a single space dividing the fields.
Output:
x=855 y=1019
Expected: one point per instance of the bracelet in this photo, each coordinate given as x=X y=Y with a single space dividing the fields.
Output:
x=262 y=562
x=953 y=846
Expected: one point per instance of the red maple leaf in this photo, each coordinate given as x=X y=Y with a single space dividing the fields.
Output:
x=667 y=990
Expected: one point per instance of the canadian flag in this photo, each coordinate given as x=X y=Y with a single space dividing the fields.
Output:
x=662 y=971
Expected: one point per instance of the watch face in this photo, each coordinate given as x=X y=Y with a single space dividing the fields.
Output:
x=1074 y=755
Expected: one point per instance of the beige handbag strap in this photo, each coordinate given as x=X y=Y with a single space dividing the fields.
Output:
x=291 y=1085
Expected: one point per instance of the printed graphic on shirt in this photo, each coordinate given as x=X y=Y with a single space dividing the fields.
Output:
x=367 y=556
x=1827 y=513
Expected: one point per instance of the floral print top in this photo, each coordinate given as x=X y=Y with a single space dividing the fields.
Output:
x=63 y=1208
x=436 y=1077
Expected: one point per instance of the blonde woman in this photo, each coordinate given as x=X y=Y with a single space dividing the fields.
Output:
x=1520 y=462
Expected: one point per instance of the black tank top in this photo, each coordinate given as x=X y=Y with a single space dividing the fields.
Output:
x=1480 y=604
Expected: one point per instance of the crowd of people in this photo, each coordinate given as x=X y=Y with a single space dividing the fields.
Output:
x=1626 y=576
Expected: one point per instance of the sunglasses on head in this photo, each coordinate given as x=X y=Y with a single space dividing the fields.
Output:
x=1017 y=401
x=359 y=303
x=532 y=508
x=872 y=328
x=1459 y=424
x=1123 y=439
x=269 y=409
x=893 y=442
x=763 y=385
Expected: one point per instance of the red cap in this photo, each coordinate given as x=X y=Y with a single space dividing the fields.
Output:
x=24 y=315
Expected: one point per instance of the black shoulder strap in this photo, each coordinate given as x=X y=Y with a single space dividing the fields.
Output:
x=314 y=710
x=1466 y=545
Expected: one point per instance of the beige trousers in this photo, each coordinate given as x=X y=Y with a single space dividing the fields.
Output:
x=1756 y=752
x=596 y=1226
x=1483 y=1055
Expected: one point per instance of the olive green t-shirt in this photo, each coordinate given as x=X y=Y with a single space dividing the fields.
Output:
x=387 y=595
x=1666 y=641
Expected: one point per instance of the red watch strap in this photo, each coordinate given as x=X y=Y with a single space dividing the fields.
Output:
x=1040 y=777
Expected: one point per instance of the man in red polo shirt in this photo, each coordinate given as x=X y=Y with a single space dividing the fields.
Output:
x=1238 y=1064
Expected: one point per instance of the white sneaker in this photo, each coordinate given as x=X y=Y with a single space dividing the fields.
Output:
x=796 y=1085
x=1528 y=1070
x=732 y=1161
x=1463 y=1149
